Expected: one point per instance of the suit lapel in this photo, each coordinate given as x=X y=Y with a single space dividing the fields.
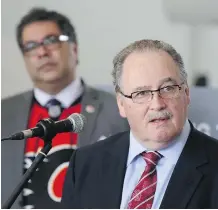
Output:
x=186 y=176
x=90 y=109
x=113 y=173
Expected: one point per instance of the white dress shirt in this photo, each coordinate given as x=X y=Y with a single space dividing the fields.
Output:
x=136 y=165
x=66 y=96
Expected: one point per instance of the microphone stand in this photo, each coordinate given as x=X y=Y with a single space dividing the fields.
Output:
x=48 y=125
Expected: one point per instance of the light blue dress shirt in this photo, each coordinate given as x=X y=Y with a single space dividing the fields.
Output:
x=136 y=165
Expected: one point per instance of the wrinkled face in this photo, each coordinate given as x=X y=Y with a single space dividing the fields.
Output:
x=159 y=120
x=51 y=63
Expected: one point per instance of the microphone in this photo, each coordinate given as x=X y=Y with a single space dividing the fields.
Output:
x=74 y=123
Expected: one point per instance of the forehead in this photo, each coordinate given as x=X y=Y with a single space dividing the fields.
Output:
x=36 y=31
x=148 y=68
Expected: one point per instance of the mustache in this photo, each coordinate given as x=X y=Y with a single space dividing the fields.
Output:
x=159 y=115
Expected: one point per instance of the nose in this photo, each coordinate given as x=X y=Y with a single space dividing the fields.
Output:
x=41 y=51
x=157 y=103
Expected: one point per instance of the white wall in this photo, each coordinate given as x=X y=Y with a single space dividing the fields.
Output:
x=205 y=52
x=202 y=16
x=192 y=11
x=103 y=28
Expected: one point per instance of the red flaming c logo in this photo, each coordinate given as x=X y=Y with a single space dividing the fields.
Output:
x=56 y=182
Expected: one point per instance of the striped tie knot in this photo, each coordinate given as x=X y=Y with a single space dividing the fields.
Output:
x=151 y=158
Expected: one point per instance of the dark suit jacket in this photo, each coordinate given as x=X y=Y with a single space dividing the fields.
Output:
x=105 y=121
x=96 y=174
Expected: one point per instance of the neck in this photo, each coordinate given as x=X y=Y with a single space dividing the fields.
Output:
x=153 y=144
x=53 y=88
x=150 y=145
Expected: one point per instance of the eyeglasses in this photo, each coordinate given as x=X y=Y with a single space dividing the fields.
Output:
x=141 y=97
x=51 y=42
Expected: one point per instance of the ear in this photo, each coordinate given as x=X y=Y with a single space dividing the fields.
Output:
x=74 y=51
x=73 y=48
x=187 y=93
x=121 y=105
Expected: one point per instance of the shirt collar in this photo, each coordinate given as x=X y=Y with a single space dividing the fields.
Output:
x=170 y=153
x=66 y=96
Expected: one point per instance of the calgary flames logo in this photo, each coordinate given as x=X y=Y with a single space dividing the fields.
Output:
x=56 y=182
x=51 y=173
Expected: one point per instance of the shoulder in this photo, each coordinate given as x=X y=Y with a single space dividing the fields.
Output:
x=209 y=140
x=102 y=146
x=210 y=144
x=104 y=96
x=15 y=98
x=107 y=100
x=12 y=105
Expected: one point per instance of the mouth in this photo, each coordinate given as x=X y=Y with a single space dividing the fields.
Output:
x=47 y=66
x=159 y=120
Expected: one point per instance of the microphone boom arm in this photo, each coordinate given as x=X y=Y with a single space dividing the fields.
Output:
x=49 y=126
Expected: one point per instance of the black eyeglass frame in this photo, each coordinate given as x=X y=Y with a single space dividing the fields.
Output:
x=48 y=41
x=151 y=92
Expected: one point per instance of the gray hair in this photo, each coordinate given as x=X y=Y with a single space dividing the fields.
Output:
x=141 y=46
